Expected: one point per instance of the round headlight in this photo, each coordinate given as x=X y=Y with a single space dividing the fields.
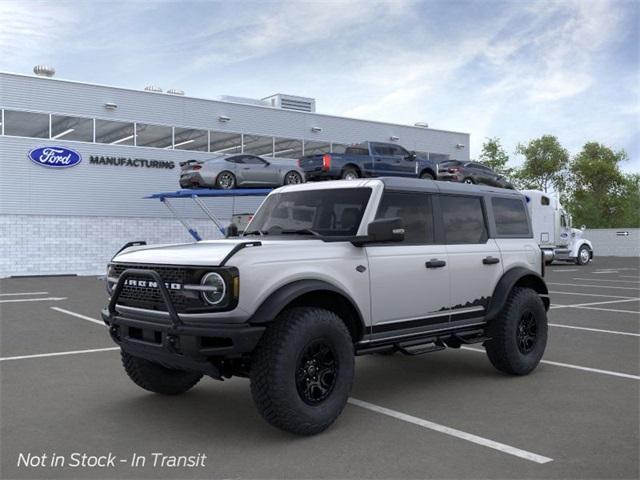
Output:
x=108 y=280
x=215 y=288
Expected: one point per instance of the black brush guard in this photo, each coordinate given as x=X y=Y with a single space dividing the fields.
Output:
x=174 y=343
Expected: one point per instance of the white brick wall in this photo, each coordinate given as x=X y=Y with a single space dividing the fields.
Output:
x=49 y=245
x=607 y=242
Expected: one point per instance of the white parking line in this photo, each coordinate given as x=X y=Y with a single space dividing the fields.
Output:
x=569 y=365
x=587 y=294
x=628 y=276
x=605 y=272
x=74 y=314
x=606 y=280
x=597 y=330
x=485 y=442
x=633 y=312
x=23 y=293
x=59 y=354
x=568 y=270
x=594 y=286
x=48 y=299
x=589 y=304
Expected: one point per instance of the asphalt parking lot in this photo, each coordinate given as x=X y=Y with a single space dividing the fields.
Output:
x=441 y=415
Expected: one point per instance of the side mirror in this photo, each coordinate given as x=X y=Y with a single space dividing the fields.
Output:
x=384 y=230
x=583 y=228
x=411 y=156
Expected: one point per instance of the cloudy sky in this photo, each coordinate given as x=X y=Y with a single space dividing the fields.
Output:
x=515 y=69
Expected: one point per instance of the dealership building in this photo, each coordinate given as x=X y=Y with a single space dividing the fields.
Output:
x=129 y=144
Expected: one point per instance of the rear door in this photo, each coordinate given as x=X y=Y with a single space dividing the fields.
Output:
x=383 y=159
x=474 y=258
x=409 y=280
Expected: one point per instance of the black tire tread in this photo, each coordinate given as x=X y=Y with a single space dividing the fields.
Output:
x=156 y=378
x=501 y=349
x=268 y=387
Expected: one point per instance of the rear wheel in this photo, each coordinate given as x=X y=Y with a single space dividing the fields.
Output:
x=156 y=378
x=518 y=334
x=468 y=181
x=427 y=176
x=584 y=255
x=226 y=180
x=292 y=178
x=302 y=370
x=350 y=173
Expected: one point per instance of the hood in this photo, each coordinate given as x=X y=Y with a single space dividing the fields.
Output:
x=209 y=253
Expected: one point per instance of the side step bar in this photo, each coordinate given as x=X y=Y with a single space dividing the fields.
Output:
x=428 y=344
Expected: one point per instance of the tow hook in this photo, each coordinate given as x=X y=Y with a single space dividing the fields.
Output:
x=173 y=343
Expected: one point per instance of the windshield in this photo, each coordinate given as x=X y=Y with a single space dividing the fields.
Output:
x=323 y=212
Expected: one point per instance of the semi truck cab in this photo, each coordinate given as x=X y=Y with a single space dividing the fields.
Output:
x=553 y=230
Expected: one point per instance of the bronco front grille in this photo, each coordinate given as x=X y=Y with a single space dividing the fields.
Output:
x=150 y=297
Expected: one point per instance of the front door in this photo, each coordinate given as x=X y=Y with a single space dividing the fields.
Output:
x=410 y=279
x=255 y=171
x=474 y=259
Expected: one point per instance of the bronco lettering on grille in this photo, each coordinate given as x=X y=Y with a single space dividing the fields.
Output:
x=151 y=284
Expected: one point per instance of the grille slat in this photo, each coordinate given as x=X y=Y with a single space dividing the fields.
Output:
x=150 y=297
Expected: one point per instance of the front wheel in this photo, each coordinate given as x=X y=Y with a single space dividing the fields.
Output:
x=156 y=378
x=518 y=335
x=468 y=181
x=302 y=370
x=226 y=180
x=292 y=178
x=584 y=255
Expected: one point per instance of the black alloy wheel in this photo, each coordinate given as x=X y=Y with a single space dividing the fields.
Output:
x=316 y=372
x=526 y=332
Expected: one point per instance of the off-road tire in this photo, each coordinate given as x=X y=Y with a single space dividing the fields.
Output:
x=502 y=348
x=276 y=364
x=579 y=259
x=350 y=173
x=427 y=176
x=156 y=378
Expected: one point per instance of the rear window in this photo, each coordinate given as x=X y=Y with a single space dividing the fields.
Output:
x=463 y=219
x=511 y=217
x=356 y=151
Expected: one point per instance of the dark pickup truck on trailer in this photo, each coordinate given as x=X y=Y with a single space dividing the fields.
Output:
x=368 y=159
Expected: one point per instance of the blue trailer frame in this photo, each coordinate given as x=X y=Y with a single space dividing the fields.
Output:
x=197 y=194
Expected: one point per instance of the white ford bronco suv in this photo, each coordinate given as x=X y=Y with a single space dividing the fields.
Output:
x=325 y=272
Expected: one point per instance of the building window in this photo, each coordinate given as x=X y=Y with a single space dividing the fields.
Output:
x=26 y=124
x=287 y=148
x=114 y=133
x=190 y=139
x=314 y=148
x=225 y=143
x=258 y=145
x=157 y=136
x=71 y=128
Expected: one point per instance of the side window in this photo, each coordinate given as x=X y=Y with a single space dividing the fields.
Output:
x=463 y=219
x=399 y=151
x=544 y=200
x=511 y=217
x=251 y=160
x=234 y=160
x=415 y=211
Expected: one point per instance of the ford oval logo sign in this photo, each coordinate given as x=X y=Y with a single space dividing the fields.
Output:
x=55 y=157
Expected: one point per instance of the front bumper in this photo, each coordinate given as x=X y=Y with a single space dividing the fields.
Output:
x=173 y=342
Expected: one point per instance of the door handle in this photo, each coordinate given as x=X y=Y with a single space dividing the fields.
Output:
x=434 y=263
x=490 y=260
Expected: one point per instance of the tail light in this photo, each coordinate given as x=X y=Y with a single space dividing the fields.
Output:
x=326 y=161
x=453 y=170
x=299 y=162
x=196 y=167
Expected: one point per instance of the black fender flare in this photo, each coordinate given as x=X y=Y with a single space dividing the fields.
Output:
x=521 y=276
x=284 y=295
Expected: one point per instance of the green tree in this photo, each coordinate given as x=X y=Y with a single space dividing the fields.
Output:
x=494 y=156
x=600 y=195
x=544 y=165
